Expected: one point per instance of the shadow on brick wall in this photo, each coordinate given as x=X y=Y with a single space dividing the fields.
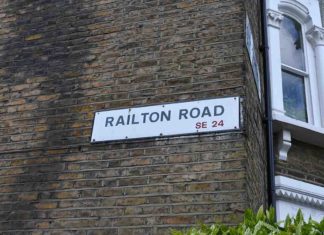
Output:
x=43 y=60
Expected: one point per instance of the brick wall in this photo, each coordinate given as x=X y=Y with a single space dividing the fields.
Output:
x=61 y=64
x=304 y=162
x=145 y=186
x=63 y=60
x=254 y=127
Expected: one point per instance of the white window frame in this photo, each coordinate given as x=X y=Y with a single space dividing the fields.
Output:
x=304 y=74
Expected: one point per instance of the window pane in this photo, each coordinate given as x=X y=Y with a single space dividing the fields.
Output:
x=294 y=96
x=291 y=43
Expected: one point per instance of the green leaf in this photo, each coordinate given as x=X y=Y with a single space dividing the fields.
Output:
x=288 y=222
x=249 y=218
x=263 y=223
x=271 y=215
x=321 y=226
x=260 y=215
x=176 y=232
x=299 y=217
x=248 y=232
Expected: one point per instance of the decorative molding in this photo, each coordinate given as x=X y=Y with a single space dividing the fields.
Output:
x=296 y=9
x=299 y=192
x=300 y=198
x=274 y=18
x=284 y=144
x=316 y=36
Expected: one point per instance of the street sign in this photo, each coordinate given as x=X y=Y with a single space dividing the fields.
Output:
x=212 y=115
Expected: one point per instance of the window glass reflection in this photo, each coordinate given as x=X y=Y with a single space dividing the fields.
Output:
x=294 y=96
x=291 y=43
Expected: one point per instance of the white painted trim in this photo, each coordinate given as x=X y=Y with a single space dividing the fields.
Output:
x=316 y=36
x=274 y=18
x=299 y=190
x=284 y=144
x=296 y=10
x=293 y=194
x=283 y=118
x=273 y=21
x=284 y=208
x=299 y=130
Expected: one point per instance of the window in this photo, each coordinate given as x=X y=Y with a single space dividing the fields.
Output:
x=296 y=64
x=293 y=69
x=294 y=96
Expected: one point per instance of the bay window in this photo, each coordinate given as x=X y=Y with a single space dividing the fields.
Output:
x=296 y=63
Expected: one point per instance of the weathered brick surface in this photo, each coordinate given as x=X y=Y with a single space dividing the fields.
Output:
x=63 y=60
x=150 y=185
x=304 y=162
x=255 y=138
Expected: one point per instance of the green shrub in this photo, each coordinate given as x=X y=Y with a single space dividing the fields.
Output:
x=262 y=223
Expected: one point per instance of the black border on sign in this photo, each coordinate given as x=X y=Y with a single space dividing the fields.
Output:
x=166 y=136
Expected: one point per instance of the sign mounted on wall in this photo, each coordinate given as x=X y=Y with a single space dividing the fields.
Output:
x=211 y=115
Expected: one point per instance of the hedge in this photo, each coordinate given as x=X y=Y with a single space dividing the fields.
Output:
x=262 y=223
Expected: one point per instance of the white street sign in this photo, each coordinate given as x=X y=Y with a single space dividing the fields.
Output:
x=211 y=115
